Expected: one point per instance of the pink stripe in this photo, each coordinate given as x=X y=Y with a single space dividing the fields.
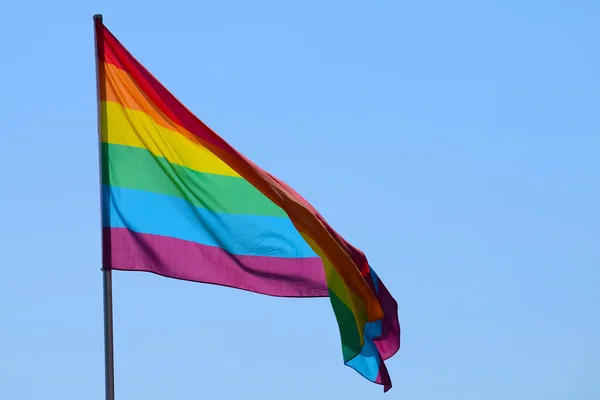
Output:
x=180 y=259
x=388 y=343
x=383 y=378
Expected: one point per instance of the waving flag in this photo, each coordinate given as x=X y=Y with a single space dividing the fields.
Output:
x=180 y=202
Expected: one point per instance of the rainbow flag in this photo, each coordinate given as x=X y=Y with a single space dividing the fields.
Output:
x=179 y=201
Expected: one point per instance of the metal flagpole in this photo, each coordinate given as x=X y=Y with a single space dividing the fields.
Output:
x=106 y=272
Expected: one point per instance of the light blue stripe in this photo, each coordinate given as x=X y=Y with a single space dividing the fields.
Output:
x=368 y=361
x=375 y=279
x=159 y=214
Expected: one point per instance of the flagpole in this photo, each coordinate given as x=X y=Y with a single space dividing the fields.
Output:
x=109 y=368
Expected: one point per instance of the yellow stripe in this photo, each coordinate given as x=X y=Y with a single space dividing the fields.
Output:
x=128 y=127
x=336 y=284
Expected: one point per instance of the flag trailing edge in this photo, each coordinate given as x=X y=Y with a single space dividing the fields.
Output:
x=180 y=202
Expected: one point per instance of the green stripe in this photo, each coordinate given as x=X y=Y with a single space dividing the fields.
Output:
x=135 y=168
x=347 y=325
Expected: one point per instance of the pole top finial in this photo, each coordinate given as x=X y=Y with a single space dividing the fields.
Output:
x=98 y=17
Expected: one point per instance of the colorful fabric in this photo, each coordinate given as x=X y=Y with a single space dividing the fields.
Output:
x=180 y=202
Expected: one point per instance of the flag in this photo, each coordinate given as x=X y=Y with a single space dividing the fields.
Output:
x=179 y=201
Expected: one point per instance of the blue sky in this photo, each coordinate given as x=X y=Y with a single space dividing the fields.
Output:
x=455 y=143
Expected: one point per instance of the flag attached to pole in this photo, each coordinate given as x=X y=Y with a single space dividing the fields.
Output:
x=180 y=202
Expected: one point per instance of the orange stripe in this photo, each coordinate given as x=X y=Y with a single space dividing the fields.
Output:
x=342 y=291
x=121 y=89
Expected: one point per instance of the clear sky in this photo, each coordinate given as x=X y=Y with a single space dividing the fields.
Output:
x=455 y=142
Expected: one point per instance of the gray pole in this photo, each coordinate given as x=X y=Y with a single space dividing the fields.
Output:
x=106 y=272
